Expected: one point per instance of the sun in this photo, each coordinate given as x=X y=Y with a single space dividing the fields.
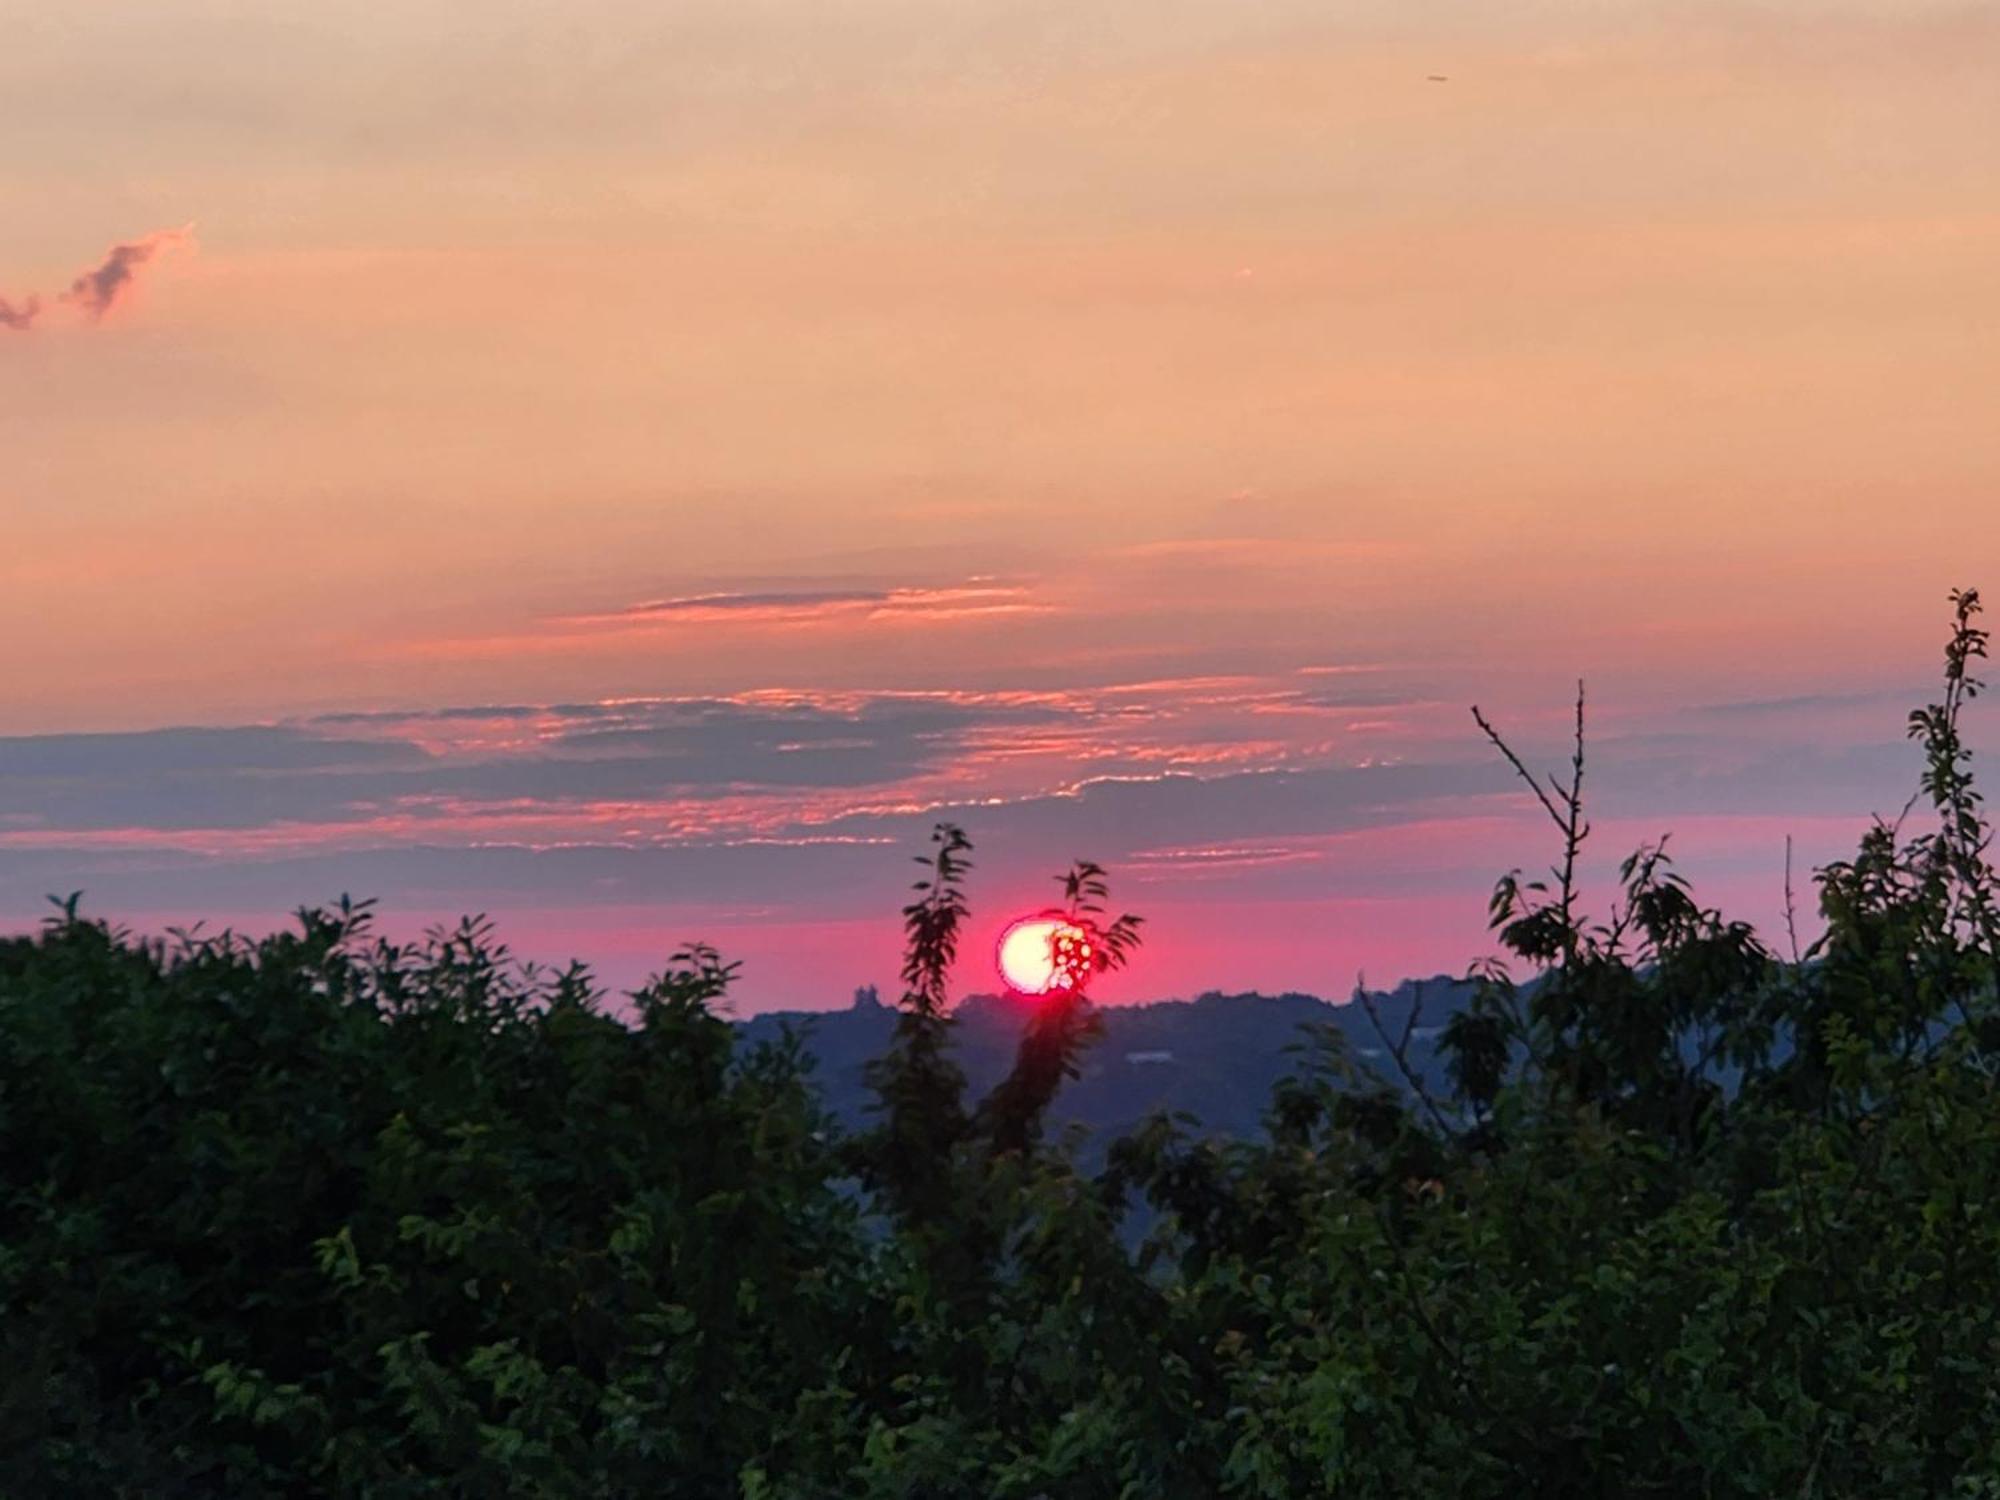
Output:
x=1044 y=954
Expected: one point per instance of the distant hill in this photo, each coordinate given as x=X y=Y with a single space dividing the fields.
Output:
x=1215 y=1056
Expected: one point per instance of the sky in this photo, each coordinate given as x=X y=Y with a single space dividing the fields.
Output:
x=632 y=468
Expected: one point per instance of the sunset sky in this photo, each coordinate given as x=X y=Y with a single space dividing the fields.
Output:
x=632 y=467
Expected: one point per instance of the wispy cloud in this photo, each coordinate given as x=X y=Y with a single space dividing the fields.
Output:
x=96 y=291
x=697 y=606
x=1798 y=703
x=978 y=596
x=826 y=609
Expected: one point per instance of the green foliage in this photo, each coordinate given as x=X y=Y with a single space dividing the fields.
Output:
x=323 y=1215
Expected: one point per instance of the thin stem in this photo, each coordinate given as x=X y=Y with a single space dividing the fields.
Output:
x=1399 y=1050
x=1791 y=904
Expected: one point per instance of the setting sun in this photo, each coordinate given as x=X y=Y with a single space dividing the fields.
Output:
x=1040 y=954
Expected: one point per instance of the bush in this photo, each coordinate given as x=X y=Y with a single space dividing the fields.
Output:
x=317 y=1215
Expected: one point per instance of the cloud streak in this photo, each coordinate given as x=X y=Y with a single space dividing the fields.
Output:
x=96 y=291
x=978 y=596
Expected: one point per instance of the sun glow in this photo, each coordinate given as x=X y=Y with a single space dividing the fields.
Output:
x=1044 y=954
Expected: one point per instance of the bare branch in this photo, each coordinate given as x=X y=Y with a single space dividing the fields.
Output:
x=1515 y=761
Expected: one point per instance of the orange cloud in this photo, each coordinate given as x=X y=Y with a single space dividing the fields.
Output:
x=974 y=597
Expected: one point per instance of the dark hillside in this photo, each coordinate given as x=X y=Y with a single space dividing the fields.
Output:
x=1216 y=1057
